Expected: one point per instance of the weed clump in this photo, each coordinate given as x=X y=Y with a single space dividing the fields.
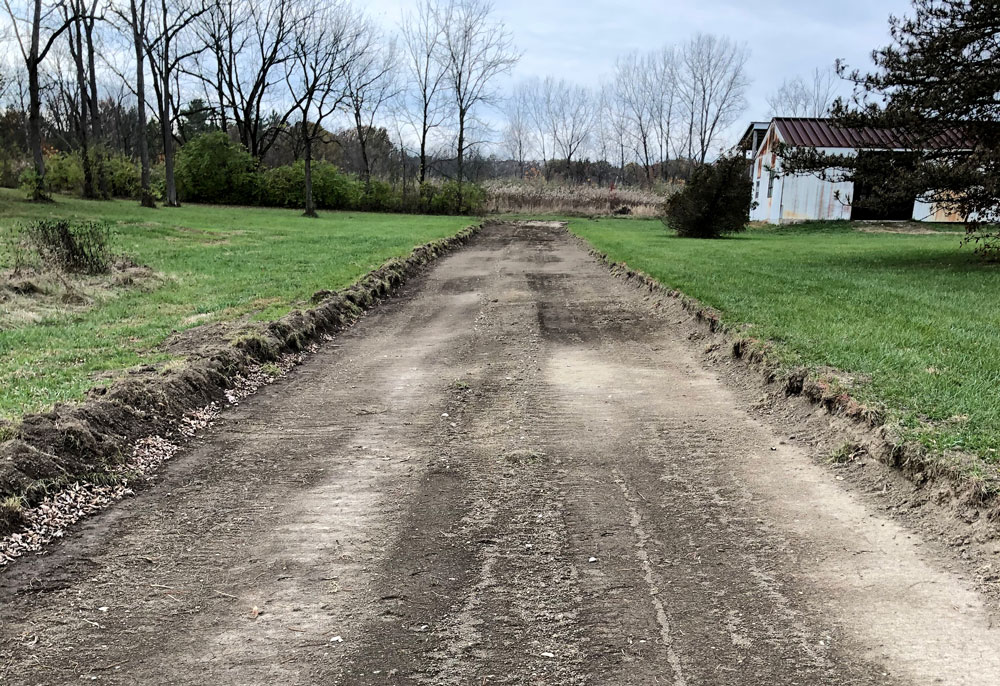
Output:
x=67 y=246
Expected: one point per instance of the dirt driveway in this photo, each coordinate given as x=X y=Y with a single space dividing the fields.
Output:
x=517 y=472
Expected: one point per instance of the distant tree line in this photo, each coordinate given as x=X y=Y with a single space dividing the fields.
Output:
x=660 y=113
x=288 y=80
x=105 y=95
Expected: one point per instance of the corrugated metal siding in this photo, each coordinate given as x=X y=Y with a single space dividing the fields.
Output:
x=924 y=211
x=806 y=198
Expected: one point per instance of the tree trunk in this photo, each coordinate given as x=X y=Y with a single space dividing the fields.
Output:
x=96 y=130
x=167 y=134
x=223 y=124
x=645 y=159
x=461 y=158
x=76 y=50
x=367 y=172
x=38 y=193
x=145 y=190
x=423 y=147
x=310 y=203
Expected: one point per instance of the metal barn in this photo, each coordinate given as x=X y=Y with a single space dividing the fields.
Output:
x=787 y=198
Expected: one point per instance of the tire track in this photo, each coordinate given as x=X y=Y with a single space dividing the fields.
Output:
x=642 y=539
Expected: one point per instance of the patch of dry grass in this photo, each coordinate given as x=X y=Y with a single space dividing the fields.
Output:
x=512 y=197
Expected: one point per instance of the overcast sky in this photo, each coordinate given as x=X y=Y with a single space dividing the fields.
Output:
x=580 y=39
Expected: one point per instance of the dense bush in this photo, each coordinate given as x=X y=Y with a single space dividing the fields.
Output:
x=12 y=165
x=212 y=168
x=334 y=190
x=121 y=175
x=379 y=196
x=69 y=246
x=285 y=187
x=716 y=201
x=63 y=174
x=443 y=199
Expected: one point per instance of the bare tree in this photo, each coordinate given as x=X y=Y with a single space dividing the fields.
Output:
x=517 y=133
x=323 y=50
x=249 y=46
x=36 y=26
x=536 y=95
x=799 y=98
x=370 y=81
x=613 y=125
x=422 y=36
x=713 y=84
x=82 y=16
x=663 y=95
x=632 y=80
x=571 y=116
x=167 y=51
x=475 y=49
x=135 y=18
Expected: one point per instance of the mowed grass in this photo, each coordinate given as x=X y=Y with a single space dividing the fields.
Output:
x=217 y=264
x=917 y=317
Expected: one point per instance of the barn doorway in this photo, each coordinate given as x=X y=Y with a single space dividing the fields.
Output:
x=879 y=188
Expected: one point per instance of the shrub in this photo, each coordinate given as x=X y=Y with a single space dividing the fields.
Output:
x=71 y=246
x=64 y=173
x=27 y=181
x=445 y=199
x=716 y=201
x=12 y=165
x=122 y=175
x=378 y=196
x=158 y=180
x=332 y=189
x=212 y=168
x=282 y=186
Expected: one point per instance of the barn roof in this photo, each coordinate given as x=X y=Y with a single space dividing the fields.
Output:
x=825 y=133
x=754 y=126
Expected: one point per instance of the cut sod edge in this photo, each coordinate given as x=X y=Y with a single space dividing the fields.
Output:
x=974 y=482
x=48 y=450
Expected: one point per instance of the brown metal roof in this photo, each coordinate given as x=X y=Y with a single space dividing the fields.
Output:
x=825 y=133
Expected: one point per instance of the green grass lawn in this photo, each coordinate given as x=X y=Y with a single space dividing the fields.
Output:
x=217 y=264
x=916 y=316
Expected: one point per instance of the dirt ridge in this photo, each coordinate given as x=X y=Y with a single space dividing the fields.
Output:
x=973 y=483
x=85 y=440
